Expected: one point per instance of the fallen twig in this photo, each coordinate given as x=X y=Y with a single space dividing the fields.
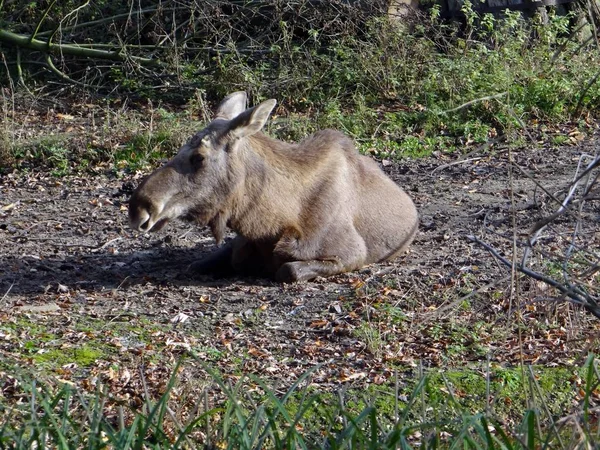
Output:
x=6 y=293
x=443 y=308
x=106 y=244
x=454 y=163
x=539 y=226
x=467 y=157
x=481 y=99
x=577 y=296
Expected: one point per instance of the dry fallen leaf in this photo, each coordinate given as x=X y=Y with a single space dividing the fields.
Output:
x=9 y=207
x=180 y=318
x=176 y=344
x=349 y=376
x=357 y=283
x=257 y=352
x=318 y=323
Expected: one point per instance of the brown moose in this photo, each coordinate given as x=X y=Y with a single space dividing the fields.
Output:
x=315 y=208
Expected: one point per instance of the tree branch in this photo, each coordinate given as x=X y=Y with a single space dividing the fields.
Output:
x=62 y=75
x=576 y=295
x=105 y=20
x=482 y=99
x=69 y=49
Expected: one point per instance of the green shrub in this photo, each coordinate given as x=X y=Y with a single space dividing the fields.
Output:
x=431 y=86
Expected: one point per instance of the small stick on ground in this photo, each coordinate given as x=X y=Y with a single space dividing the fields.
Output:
x=576 y=295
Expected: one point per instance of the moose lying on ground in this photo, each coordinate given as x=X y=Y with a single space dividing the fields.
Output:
x=316 y=208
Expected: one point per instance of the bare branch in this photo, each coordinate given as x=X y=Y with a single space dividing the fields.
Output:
x=104 y=20
x=69 y=49
x=539 y=226
x=576 y=295
x=477 y=100
x=62 y=75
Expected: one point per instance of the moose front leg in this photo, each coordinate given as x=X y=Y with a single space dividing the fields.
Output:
x=307 y=270
x=216 y=263
x=238 y=256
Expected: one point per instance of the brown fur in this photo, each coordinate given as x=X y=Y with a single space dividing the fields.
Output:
x=303 y=210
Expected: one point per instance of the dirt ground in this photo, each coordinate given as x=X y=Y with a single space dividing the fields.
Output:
x=73 y=271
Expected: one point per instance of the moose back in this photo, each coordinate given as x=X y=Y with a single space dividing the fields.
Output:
x=315 y=208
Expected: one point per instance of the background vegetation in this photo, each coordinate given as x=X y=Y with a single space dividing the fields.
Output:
x=399 y=88
x=117 y=86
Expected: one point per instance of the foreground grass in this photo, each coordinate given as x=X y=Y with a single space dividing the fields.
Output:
x=250 y=414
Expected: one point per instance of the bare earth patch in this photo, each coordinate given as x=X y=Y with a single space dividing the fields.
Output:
x=85 y=298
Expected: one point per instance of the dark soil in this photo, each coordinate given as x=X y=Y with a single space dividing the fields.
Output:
x=65 y=244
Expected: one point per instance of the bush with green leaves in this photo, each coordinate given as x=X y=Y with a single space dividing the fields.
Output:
x=398 y=89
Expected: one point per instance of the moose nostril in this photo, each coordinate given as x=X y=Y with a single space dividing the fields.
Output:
x=144 y=226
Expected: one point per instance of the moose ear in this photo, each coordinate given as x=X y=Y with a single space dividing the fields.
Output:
x=231 y=106
x=252 y=120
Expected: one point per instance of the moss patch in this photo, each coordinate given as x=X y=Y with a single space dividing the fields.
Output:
x=459 y=392
x=83 y=356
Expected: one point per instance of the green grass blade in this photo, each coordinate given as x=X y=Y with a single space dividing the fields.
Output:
x=374 y=429
x=353 y=426
x=530 y=429
x=414 y=396
x=489 y=440
x=198 y=420
x=53 y=425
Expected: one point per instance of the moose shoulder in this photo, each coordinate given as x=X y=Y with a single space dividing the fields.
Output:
x=315 y=208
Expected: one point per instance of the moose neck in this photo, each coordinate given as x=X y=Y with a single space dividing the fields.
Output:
x=269 y=199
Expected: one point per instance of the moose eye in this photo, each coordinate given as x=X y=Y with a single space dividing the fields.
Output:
x=196 y=160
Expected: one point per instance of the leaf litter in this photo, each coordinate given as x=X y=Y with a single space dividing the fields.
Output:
x=115 y=307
